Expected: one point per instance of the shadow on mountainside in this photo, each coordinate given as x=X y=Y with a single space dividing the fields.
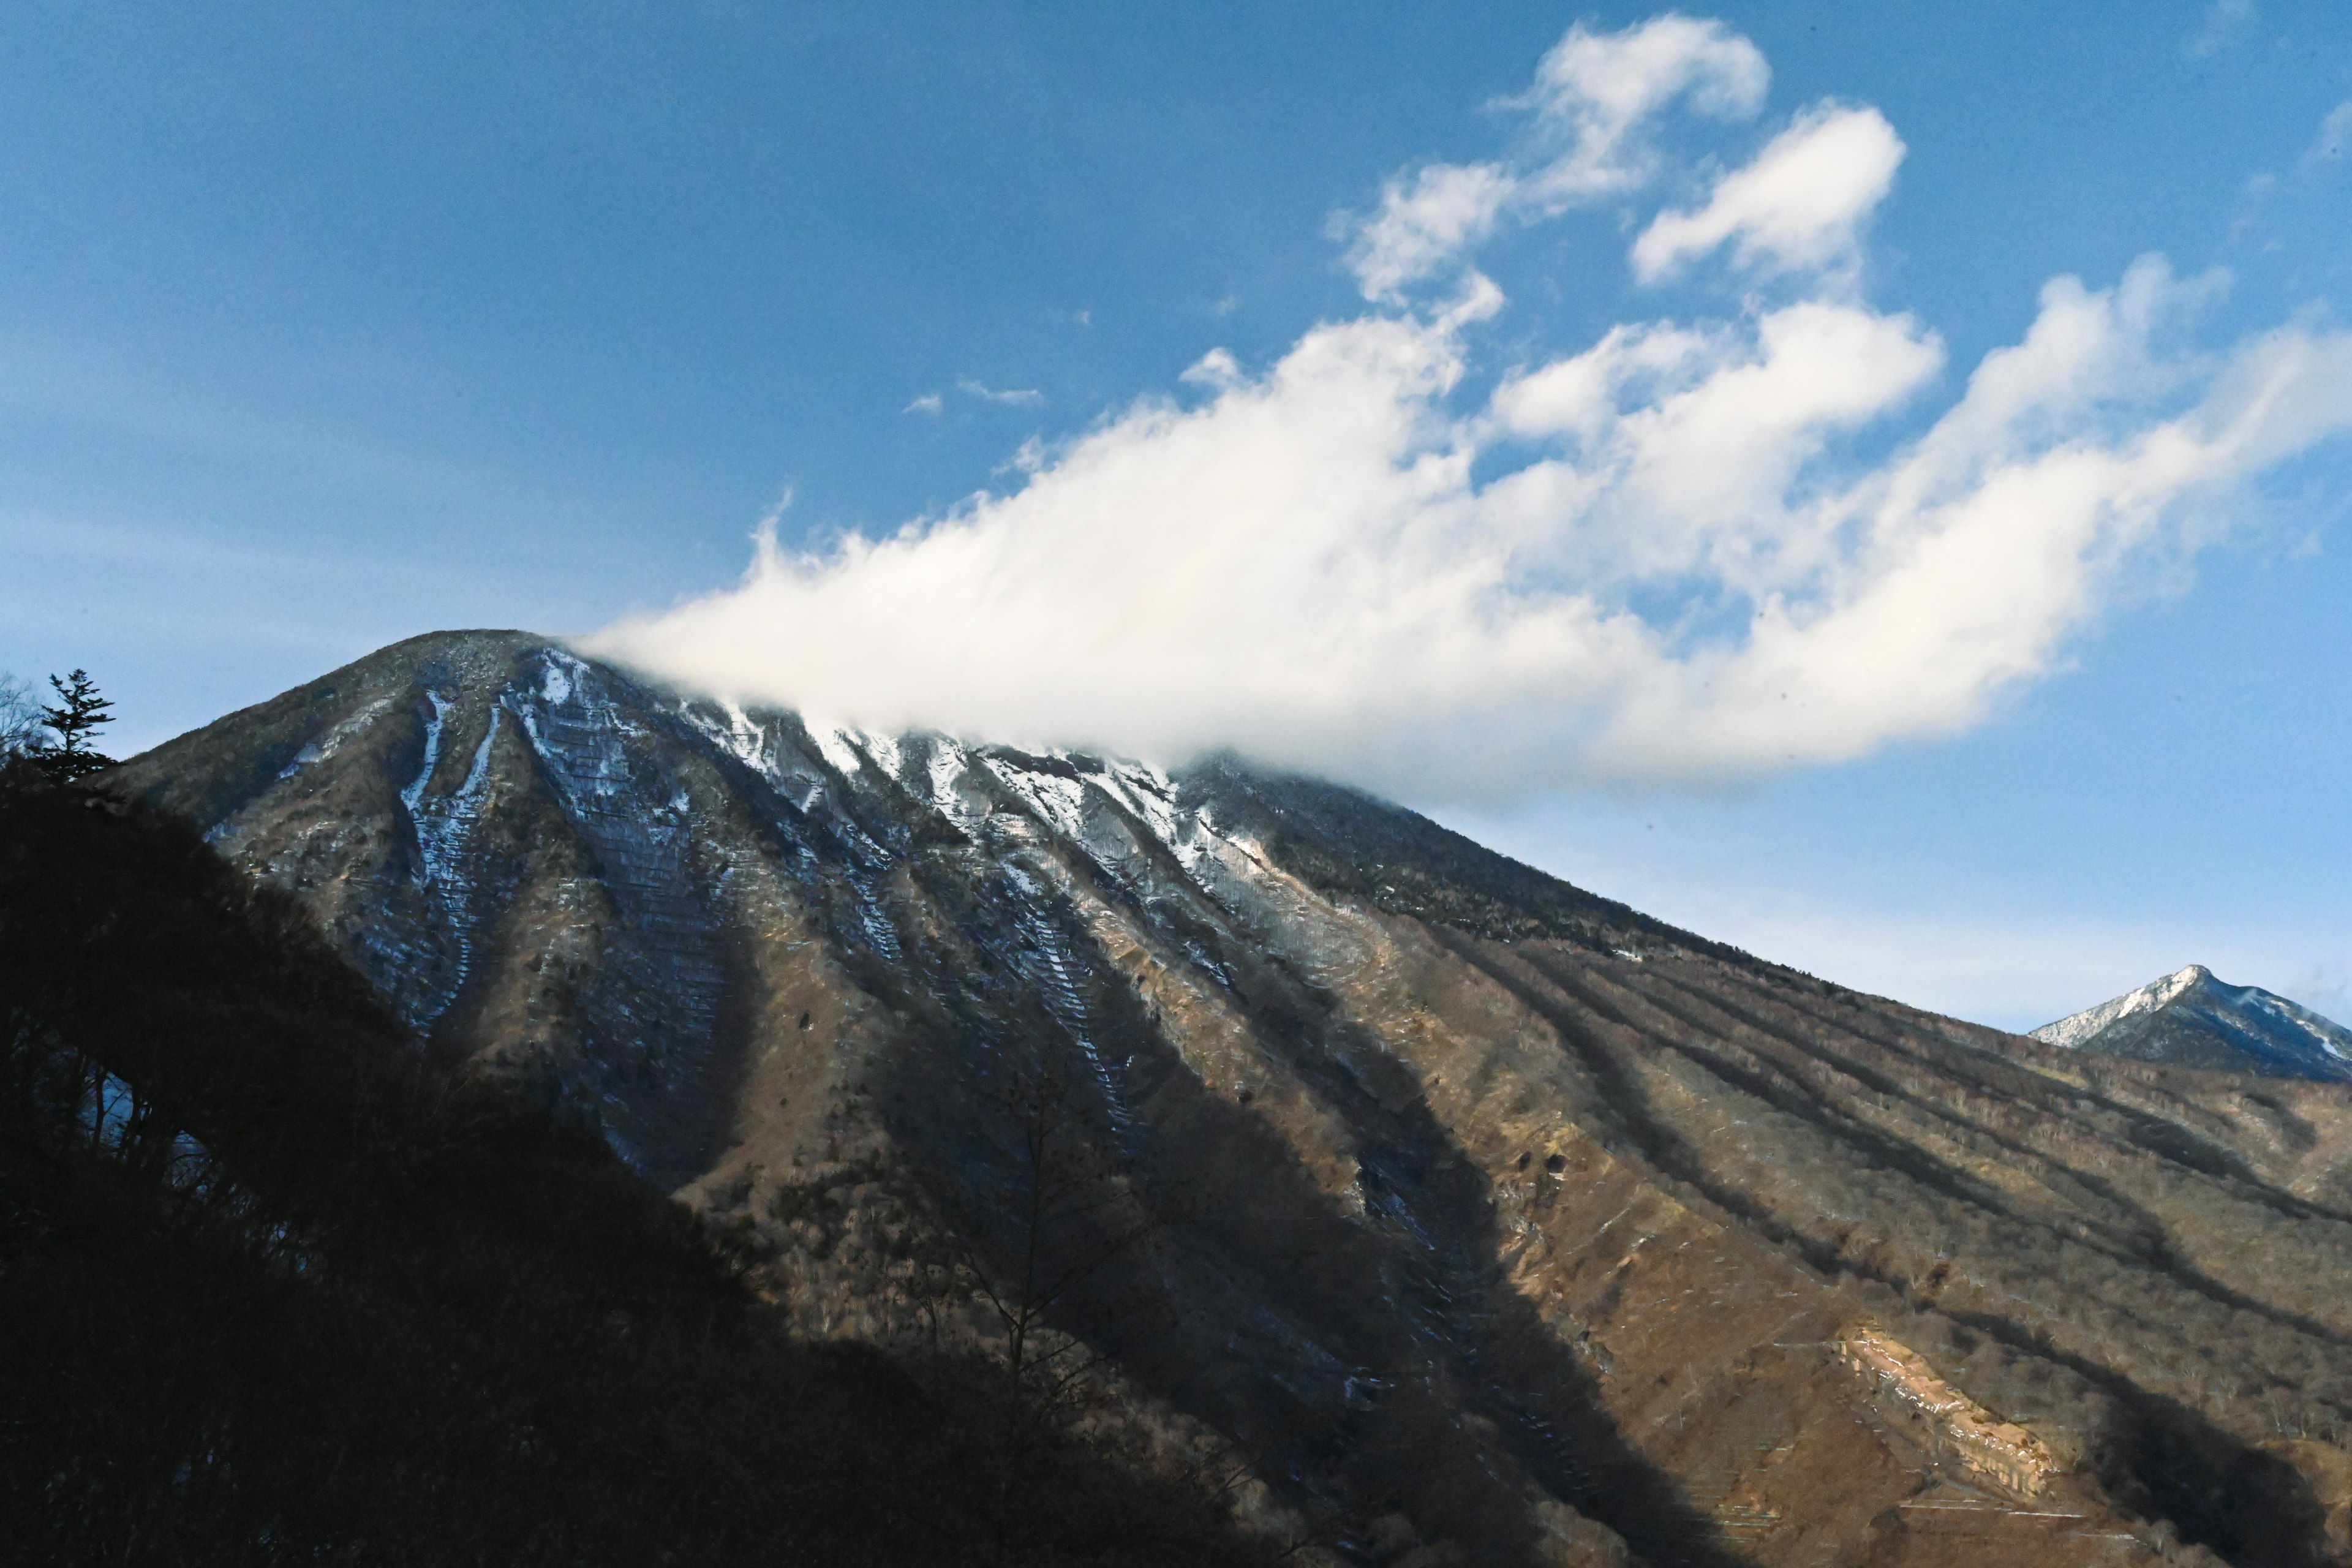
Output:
x=1378 y=1361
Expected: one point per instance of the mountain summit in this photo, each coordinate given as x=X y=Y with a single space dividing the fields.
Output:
x=1486 y=1219
x=2190 y=1019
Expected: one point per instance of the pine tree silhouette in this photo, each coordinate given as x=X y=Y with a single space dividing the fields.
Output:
x=80 y=711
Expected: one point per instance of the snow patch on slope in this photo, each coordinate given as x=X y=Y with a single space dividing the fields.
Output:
x=2296 y=1020
x=1055 y=969
x=885 y=752
x=2076 y=1029
x=443 y=823
x=1060 y=803
x=743 y=737
x=415 y=794
x=335 y=739
x=837 y=743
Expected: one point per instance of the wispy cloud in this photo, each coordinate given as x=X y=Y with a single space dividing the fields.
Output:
x=1800 y=205
x=1648 y=557
x=1022 y=396
x=1592 y=101
x=2225 y=23
x=932 y=403
x=2335 y=139
x=1425 y=222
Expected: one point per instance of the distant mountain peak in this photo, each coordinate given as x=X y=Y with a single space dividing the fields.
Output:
x=2192 y=1018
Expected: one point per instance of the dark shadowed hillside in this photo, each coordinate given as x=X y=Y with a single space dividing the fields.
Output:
x=273 y=1289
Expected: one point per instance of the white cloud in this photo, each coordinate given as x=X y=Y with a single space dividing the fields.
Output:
x=1799 y=205
x=1652 y=558
x=1684 y=442
x=1018 y=396
x=928 y=403
x=1426 y=222
x=1593 y=98
x=2223 y=25
x=1216 y=369
x=1595 y=92
x=2334 y=138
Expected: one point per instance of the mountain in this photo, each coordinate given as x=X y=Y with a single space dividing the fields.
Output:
x=2190 y=1019
x=1482 y=1219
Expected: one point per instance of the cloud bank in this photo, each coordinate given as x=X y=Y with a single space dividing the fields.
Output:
x=1652 y=559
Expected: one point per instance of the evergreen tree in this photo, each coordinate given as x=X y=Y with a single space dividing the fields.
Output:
x=80 y=711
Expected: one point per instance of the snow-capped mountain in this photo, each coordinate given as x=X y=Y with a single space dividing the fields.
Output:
x=1499 y=1217
x=2189 y=1019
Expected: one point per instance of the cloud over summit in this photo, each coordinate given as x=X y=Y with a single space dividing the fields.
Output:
x=1651 y=557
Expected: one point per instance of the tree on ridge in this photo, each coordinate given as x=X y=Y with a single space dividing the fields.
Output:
x=80 y=711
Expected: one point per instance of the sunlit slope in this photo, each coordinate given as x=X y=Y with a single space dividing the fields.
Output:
x=1489 y=1216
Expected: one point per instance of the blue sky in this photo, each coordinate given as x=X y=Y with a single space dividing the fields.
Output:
x=320 y=328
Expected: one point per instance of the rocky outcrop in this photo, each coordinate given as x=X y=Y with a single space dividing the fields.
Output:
x=1486 y=1219
x=1999 y=1452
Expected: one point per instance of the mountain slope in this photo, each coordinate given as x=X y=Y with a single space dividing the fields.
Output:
x=2190 y=1019
x=1493 y=1221
x=274 y=1290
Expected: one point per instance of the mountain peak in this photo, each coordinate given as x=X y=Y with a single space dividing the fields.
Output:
x=2192 y=1018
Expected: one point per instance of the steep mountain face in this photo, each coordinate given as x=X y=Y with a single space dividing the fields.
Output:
x=1491 y=1221
x=2190 y=1019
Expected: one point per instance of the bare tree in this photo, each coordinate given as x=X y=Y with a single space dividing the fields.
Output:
x=1068 y=1216
x=1072 y=1216
x=20 y=719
